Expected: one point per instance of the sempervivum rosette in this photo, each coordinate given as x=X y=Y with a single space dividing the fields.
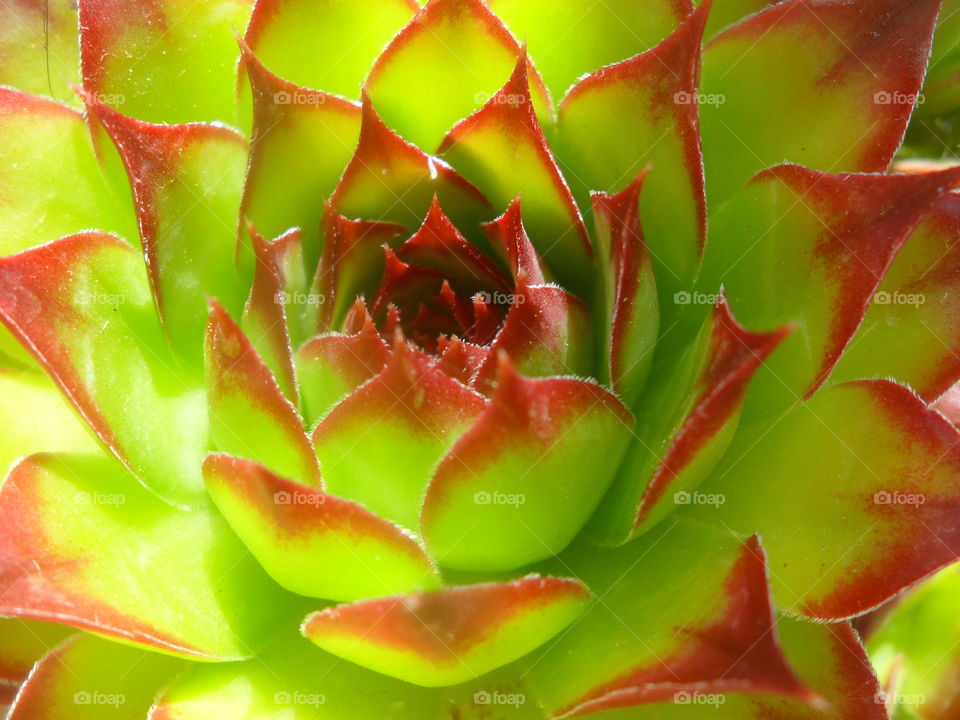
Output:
x=429 y=391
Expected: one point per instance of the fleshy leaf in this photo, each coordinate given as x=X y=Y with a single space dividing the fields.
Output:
x=312 y=543
x=418 y=411
x=249 y=415
x=83 y=545
x=509 y=238
x=302 y=140
x=630 y=309
x=390 y=179
x=684 y=426
x=604 y=32
x=442 y=67
x=822 y=243
x=452 y=635
x=710 y=630
x=89 y=678
x=22 y=643
x=878 y=494
x=38 y=46
x=186 y=182
x=163 y=60
x=643 y=112
x=502 y=149
x=82 y=305
x=912 y=330
x=520 y=483
x=774 y=85
x=328 y=45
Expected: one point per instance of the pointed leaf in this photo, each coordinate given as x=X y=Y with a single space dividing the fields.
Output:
x=249 y=415
x=163 y=60
x=604 y=33
x=509 y=238
x=328 y=45
x=878 y=494
x=684 y=426
x=442 y=67
x=313 y=543
x=380 y=443
x=710 y=630
x=82 y=306
x=302 y=141
x=33 y=34
x=502 y=149
x=643 y=112
x=89 y=678
x=83 y=545
x=912 y=330
x=774 y=84
x=186 y=182
x=520 y=483
x=451 y=635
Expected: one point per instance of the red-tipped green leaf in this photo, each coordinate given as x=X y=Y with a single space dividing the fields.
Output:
x=822 y=244
x=390 y=179
x=509 y=238
x=569 y=38
x=249 y=415
x=684 y=426
x=82 y=305
x=442 y=67
x=186 y=182
x=502 y=149
x=302 y=141
x=520 y=483
x=33 y=34
x=872 y=471
x=328 y=45
x=710 y=630
x=452 y=635
x=163 y=60
x=638 y=113
x=22 y=643
x=380 y=444
x=774 y=85
x=82 y=544
x=313 y=543
x=89 y=678
x=912 y=330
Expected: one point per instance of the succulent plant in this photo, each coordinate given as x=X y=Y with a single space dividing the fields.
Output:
x=485 y=359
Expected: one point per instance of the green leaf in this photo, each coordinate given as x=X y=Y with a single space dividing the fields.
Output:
x=709 y=630
x=568 y=38
x=442 y=67
x=83 y=307
x=38 y=47
x=866 y=469
x=520 y=483
x=82 y=544
x=163 y=61
x=89 y=678
x=312 y=543
x=451 y=635
x=22 y=643
x=774 y=85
